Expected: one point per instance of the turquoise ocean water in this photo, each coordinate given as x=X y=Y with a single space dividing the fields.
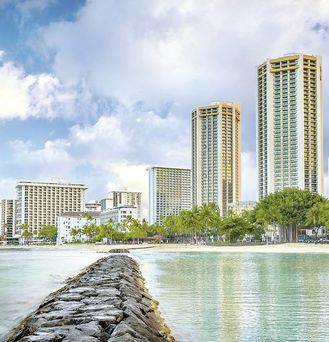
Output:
x=247 y=297
x=29 y=275
x=203 y=296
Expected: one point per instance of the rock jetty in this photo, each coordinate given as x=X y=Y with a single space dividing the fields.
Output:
x=106 y=302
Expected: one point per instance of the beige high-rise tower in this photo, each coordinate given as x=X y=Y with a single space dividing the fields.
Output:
x=216 y=154
x=289 y=124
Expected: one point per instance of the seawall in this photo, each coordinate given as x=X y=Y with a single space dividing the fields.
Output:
x=108 y=301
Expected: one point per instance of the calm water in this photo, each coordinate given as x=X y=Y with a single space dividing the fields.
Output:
x=27 y=276
x=203 y=296
x=241 y=297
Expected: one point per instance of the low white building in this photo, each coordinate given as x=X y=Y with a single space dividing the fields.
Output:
x=74 y=220
x=119 y=214
x=239 y=207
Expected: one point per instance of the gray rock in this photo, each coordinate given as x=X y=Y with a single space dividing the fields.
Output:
x=126 y=338
x=43 y=338
x=91 y=329
x=107 y=302
x=71 y=297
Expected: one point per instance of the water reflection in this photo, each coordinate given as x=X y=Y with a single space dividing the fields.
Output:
x=241 y=297
x=28 y=275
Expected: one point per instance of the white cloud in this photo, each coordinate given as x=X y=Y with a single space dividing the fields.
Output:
x=135 y=70
x=14 y=99
x=25 y=95
x=51 y=161
x=174 y=50
x=183 y=53
x=134 y=135
x=8 y=187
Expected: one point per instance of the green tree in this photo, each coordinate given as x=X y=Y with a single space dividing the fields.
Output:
x=48 y=232
x=25 y=233
x=135 y=229
x=108 y=232
x=75 y=232
x=288 y=209
x=235 y=227
x=189 y=223
x=318 y=216
x=209 y=215
x=88 y=217
x=170 y=226
x=91 y=231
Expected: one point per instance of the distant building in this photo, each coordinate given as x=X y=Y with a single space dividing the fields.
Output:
x=240 y=206
x=74 y=220
x=123 y=198
x=106 y=203
x=216 y=154
x=40 y=203
x=118 y=214
x=290 y=124
x=93 y=206
x=169 y=192
x=8 y=218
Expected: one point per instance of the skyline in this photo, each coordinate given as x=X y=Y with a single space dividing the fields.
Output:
x=97 y=103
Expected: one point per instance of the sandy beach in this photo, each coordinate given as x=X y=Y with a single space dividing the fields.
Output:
x=279 y=248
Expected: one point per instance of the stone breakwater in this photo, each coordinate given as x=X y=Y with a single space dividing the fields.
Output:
x=106 y=302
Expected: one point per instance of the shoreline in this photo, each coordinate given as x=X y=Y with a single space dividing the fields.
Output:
x=277 y=248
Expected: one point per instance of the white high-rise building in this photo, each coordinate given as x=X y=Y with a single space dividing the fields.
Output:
x=123 y=198
x=8 y=218
x=40 y=203
x=290 y=124
x=216 y=154
x=169 y=192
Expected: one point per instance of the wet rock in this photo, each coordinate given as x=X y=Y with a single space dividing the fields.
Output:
x=106 y=302
x=127 y=338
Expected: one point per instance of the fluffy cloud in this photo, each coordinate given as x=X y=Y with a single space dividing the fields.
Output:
x=178 y=50
x=130 y=73
x=24 y=95
x=184 y=53
x=53 y=160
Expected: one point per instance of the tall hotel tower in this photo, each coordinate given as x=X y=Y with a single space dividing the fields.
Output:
x=289 y=120
x=216 y=153
x=40 y=203
x=169 y=192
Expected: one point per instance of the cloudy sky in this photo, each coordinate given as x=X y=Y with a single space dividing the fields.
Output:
x=95 y=91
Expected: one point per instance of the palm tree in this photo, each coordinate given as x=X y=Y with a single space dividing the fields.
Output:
x=25 y=233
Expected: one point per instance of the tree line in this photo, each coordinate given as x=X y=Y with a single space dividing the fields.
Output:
x=288 y=212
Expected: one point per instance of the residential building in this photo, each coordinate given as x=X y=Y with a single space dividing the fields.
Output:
x=123 y=198
x=8 y=218
x=290 y=124
x=106 y=203
x=119 y=214
x=240 y=206
x=66 y=222
x=169 y=192
x=93 y=206
x=216 y=154
x=40 y=203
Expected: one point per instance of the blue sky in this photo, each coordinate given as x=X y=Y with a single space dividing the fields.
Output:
x=95 y=91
